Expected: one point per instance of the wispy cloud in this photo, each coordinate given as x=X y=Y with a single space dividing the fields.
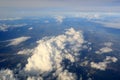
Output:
x=5 y=27
x=10 y=19
x=110 y=24
x=17 y=41
x=26 y=51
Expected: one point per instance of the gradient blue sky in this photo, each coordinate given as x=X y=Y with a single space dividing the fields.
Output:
x=40 y=7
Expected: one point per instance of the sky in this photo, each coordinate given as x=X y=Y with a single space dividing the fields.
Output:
x=40 y=7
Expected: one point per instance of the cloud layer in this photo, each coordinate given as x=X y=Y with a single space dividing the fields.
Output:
x=46 y=7
x=50 y=52
x=47 y=58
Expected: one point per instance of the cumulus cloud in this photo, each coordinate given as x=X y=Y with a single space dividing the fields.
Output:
x=66 y=75
x=100 y=65
x=7 y=75
x=34 y=78
x=104 y=50
x=17 y=41
x=111 y=59
x=50 y=52
x=103 y=65
x=59 y=18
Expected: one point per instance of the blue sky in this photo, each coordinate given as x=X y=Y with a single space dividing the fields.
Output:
x=40 y=7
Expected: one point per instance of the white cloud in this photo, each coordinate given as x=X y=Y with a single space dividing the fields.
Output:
x=50 y=52
x=17 y=41
x=104 y=50
x=59 y=18
x=3 y=27
x=26 y=51
x=70 y=57
x=30 y=28
x=6 y=75
x=103 y=65
x=100 y=65
x=65 y=75
x=34 y=78
x=108 y=44
x=111 y=59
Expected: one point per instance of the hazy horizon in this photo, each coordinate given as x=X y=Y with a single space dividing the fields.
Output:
x=14 y=8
